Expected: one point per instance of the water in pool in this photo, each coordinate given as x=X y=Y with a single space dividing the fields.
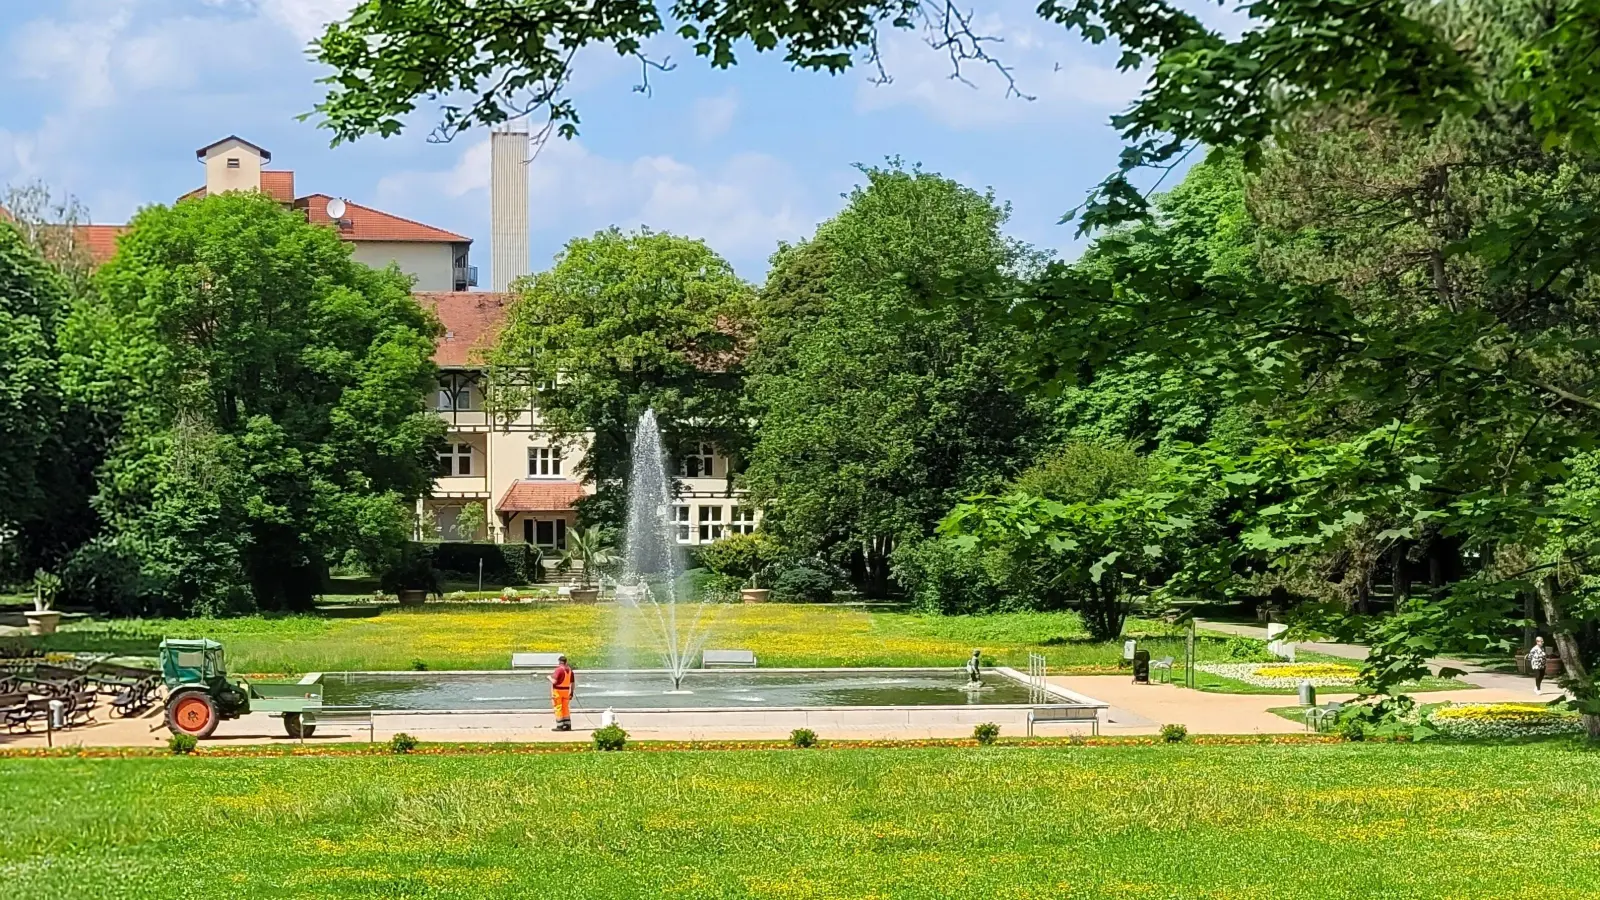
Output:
x=653 y=690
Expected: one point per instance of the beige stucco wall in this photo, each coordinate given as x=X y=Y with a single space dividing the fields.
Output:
x=220 y=178
x=431 y=263
x=503 y=450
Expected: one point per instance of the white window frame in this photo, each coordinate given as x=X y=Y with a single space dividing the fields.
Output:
x=742 y=520
x=453 y=396
x=457 y=458
x=544 y=462
x=702 y=463
x=711 y=526
x=680 y=523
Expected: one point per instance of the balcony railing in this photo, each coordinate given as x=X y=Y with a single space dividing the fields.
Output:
x=466 y=276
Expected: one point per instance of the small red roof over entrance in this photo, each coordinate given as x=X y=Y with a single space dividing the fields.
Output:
x=539 y=496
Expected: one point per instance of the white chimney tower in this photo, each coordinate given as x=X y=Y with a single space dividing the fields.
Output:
x=508 y=203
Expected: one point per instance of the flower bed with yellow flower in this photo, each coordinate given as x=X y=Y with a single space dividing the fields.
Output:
x=1503 y=720
x=1285 y=675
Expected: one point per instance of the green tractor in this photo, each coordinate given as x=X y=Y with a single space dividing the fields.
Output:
x=199 y=694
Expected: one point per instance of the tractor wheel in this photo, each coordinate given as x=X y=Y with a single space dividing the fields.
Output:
x=193 y=713
x=296 y=728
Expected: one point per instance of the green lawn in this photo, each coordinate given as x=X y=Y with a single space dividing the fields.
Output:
x=483 y=636
x=1335 y=820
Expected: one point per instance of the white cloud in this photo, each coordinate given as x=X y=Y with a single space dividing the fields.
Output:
x=1053 y=70
x=305 y=19
x=713 y=116
x=470 y=173
x=75 y=54
x=741 y=206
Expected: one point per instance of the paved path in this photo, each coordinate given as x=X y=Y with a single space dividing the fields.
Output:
x=1134 y=709
x=1476 y=674
x=1143 y=708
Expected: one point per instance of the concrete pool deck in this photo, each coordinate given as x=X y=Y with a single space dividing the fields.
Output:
x=1133 y=710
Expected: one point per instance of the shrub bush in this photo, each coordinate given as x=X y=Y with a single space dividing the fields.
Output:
x=611 y=737
x=1246 y=649
x=737 y=556
x=412 y=571
x=1174 y=734
x=108 y=578
x=985 y=733
x=182 y=744
x=402 y=743
x=418 y=665
x=803 y=737
x=941 y=577
x=803 y=582
x=1353 y=730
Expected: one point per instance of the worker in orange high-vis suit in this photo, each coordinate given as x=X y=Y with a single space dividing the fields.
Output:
x=562 y=681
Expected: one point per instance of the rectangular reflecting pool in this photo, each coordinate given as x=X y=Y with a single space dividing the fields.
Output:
x=651 y=690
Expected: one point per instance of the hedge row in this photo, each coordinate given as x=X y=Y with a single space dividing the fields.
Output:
x=508 y=563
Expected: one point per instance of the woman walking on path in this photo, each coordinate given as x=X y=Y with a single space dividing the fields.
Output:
x=1536 y=658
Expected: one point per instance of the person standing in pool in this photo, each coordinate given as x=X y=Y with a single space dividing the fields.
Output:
x=562 y=681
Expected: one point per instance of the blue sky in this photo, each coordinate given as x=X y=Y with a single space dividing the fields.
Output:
x=108 y=99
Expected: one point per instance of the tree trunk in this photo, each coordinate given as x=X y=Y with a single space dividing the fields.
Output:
x=1577 y=673
x=1397 y=575
x=1530 y=611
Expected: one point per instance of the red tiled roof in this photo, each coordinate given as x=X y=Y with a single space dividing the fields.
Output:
x=471 y=319
x=539 y=496
x=277 y=185
x=100 y=241
x=368 y=224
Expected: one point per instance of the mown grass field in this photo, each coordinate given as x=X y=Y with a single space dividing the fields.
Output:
x=483 y=636
x=1334 y=821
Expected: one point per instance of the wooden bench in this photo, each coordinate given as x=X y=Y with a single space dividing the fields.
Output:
x=1071 y=712
x=535 y=660
x=356 y=716
x=728 y=659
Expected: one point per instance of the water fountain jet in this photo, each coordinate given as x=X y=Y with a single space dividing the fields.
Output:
x=651 y=582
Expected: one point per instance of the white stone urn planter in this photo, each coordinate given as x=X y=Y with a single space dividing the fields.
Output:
x=42 y=621
x=585 y=595
x=754 y=595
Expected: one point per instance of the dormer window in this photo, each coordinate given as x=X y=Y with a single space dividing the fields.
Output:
x=233 y=162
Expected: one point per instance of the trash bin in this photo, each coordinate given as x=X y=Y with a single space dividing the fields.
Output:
x=58 y=715
x=1308 y=693
x=1141 y=667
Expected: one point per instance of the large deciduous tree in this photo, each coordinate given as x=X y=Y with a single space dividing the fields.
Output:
x=267 y=397
x=33 y=303
x=876 y=413
x=622 y=323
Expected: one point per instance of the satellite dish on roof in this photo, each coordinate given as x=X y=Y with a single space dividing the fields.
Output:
x=336 y=209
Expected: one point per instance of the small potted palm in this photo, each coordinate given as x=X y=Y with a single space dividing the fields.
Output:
x=44 y=617
x=412 y=579
x=592 y=552
x=754 y=589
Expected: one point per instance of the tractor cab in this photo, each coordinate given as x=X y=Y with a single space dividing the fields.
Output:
x=191 y=662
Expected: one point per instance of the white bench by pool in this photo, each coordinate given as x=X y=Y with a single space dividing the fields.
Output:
x=728 y=659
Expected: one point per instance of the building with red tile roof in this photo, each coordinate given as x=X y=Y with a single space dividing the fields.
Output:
x=437 y=259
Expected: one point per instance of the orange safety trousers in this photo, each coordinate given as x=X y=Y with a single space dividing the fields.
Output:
x=561 y=699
